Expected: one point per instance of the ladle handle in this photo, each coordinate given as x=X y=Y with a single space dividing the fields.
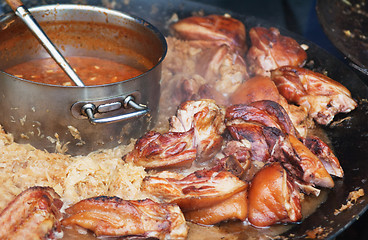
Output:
x=23 y=13
x=14 y=4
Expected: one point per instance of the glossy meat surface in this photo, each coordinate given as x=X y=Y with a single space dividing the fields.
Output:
x=206 y=119
x=267 y=113
x=115 y=217
x=156 y=150
x=255 y=89
x=201 y=189
x=271 y=50
x=33 y=214
x=325 y=154
x=314 y=171
x=273 y=198
x=319 y=94
x=260 y=88
x=213 y=29
x=233 y=208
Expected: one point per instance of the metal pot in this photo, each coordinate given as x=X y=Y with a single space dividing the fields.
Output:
x=50 y=116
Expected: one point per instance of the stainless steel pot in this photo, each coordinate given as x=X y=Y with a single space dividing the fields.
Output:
x=80 y=119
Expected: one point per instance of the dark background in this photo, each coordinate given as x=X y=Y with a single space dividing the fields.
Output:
x=298 y=16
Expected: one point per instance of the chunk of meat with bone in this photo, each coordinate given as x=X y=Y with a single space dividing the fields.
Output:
x=207 y=120
x=33 y=214
x=314 y=171
x=271 y=138
x=115 y=217
x=201 y=189
x=319 y=94
x=213 y=30
x=273 y=198
x=271 y=50
x=325 y=154
x=156 y=150
x=261 y=88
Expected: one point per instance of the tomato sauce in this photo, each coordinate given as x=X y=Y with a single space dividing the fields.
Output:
x=91 y=70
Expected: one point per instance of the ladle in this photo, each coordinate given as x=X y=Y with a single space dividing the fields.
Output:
x=22 y=12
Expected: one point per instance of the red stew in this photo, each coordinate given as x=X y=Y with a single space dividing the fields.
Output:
x=92 y=71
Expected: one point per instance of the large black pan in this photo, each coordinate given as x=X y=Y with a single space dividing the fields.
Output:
x=349 y=138
x=346 y=25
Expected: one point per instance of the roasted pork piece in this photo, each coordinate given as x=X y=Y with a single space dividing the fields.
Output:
x=115 y=217
x=202 y=192
x=213 y=30
x=233 y=208
x=267 y=113
x=261 y=88
x=195 y=134
x=314 y=171
x=265 y=126
x=33 y=214
x=271 y=50
x=319 y=94
x=201 y=189
x=325 y=154
x=207 y=120
x=256 y=89
x=273 y=198
x=167 y=150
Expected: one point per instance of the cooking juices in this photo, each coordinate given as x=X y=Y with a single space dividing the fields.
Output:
x=91 y=70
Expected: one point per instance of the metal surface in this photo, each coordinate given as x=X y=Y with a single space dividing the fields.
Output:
x=89 y=109
x=41 y=114
x=349 y=138
x=346 y=25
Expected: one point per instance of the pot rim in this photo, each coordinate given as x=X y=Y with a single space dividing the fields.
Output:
x=108 y=12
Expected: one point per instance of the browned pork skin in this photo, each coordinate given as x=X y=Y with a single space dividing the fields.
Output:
x=248 y=113
x=201 y=189
x=33 y=214
x=314 y=171
x=255 y=89
x=261 y=88
x=207 y=120
x=319 y=94
x=271 y=50
x=267 y=113
x=155 y=150
x=325 y=154
x=252 y=135
x=262 y=126
x=115 y=217
x=265 y=129
x=273 y=198
x=213 y=29
x=234 y=208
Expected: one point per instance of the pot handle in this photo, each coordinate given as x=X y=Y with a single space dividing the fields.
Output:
x=89 y=110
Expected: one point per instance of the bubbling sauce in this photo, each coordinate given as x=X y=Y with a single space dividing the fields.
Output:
x=91 y=70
